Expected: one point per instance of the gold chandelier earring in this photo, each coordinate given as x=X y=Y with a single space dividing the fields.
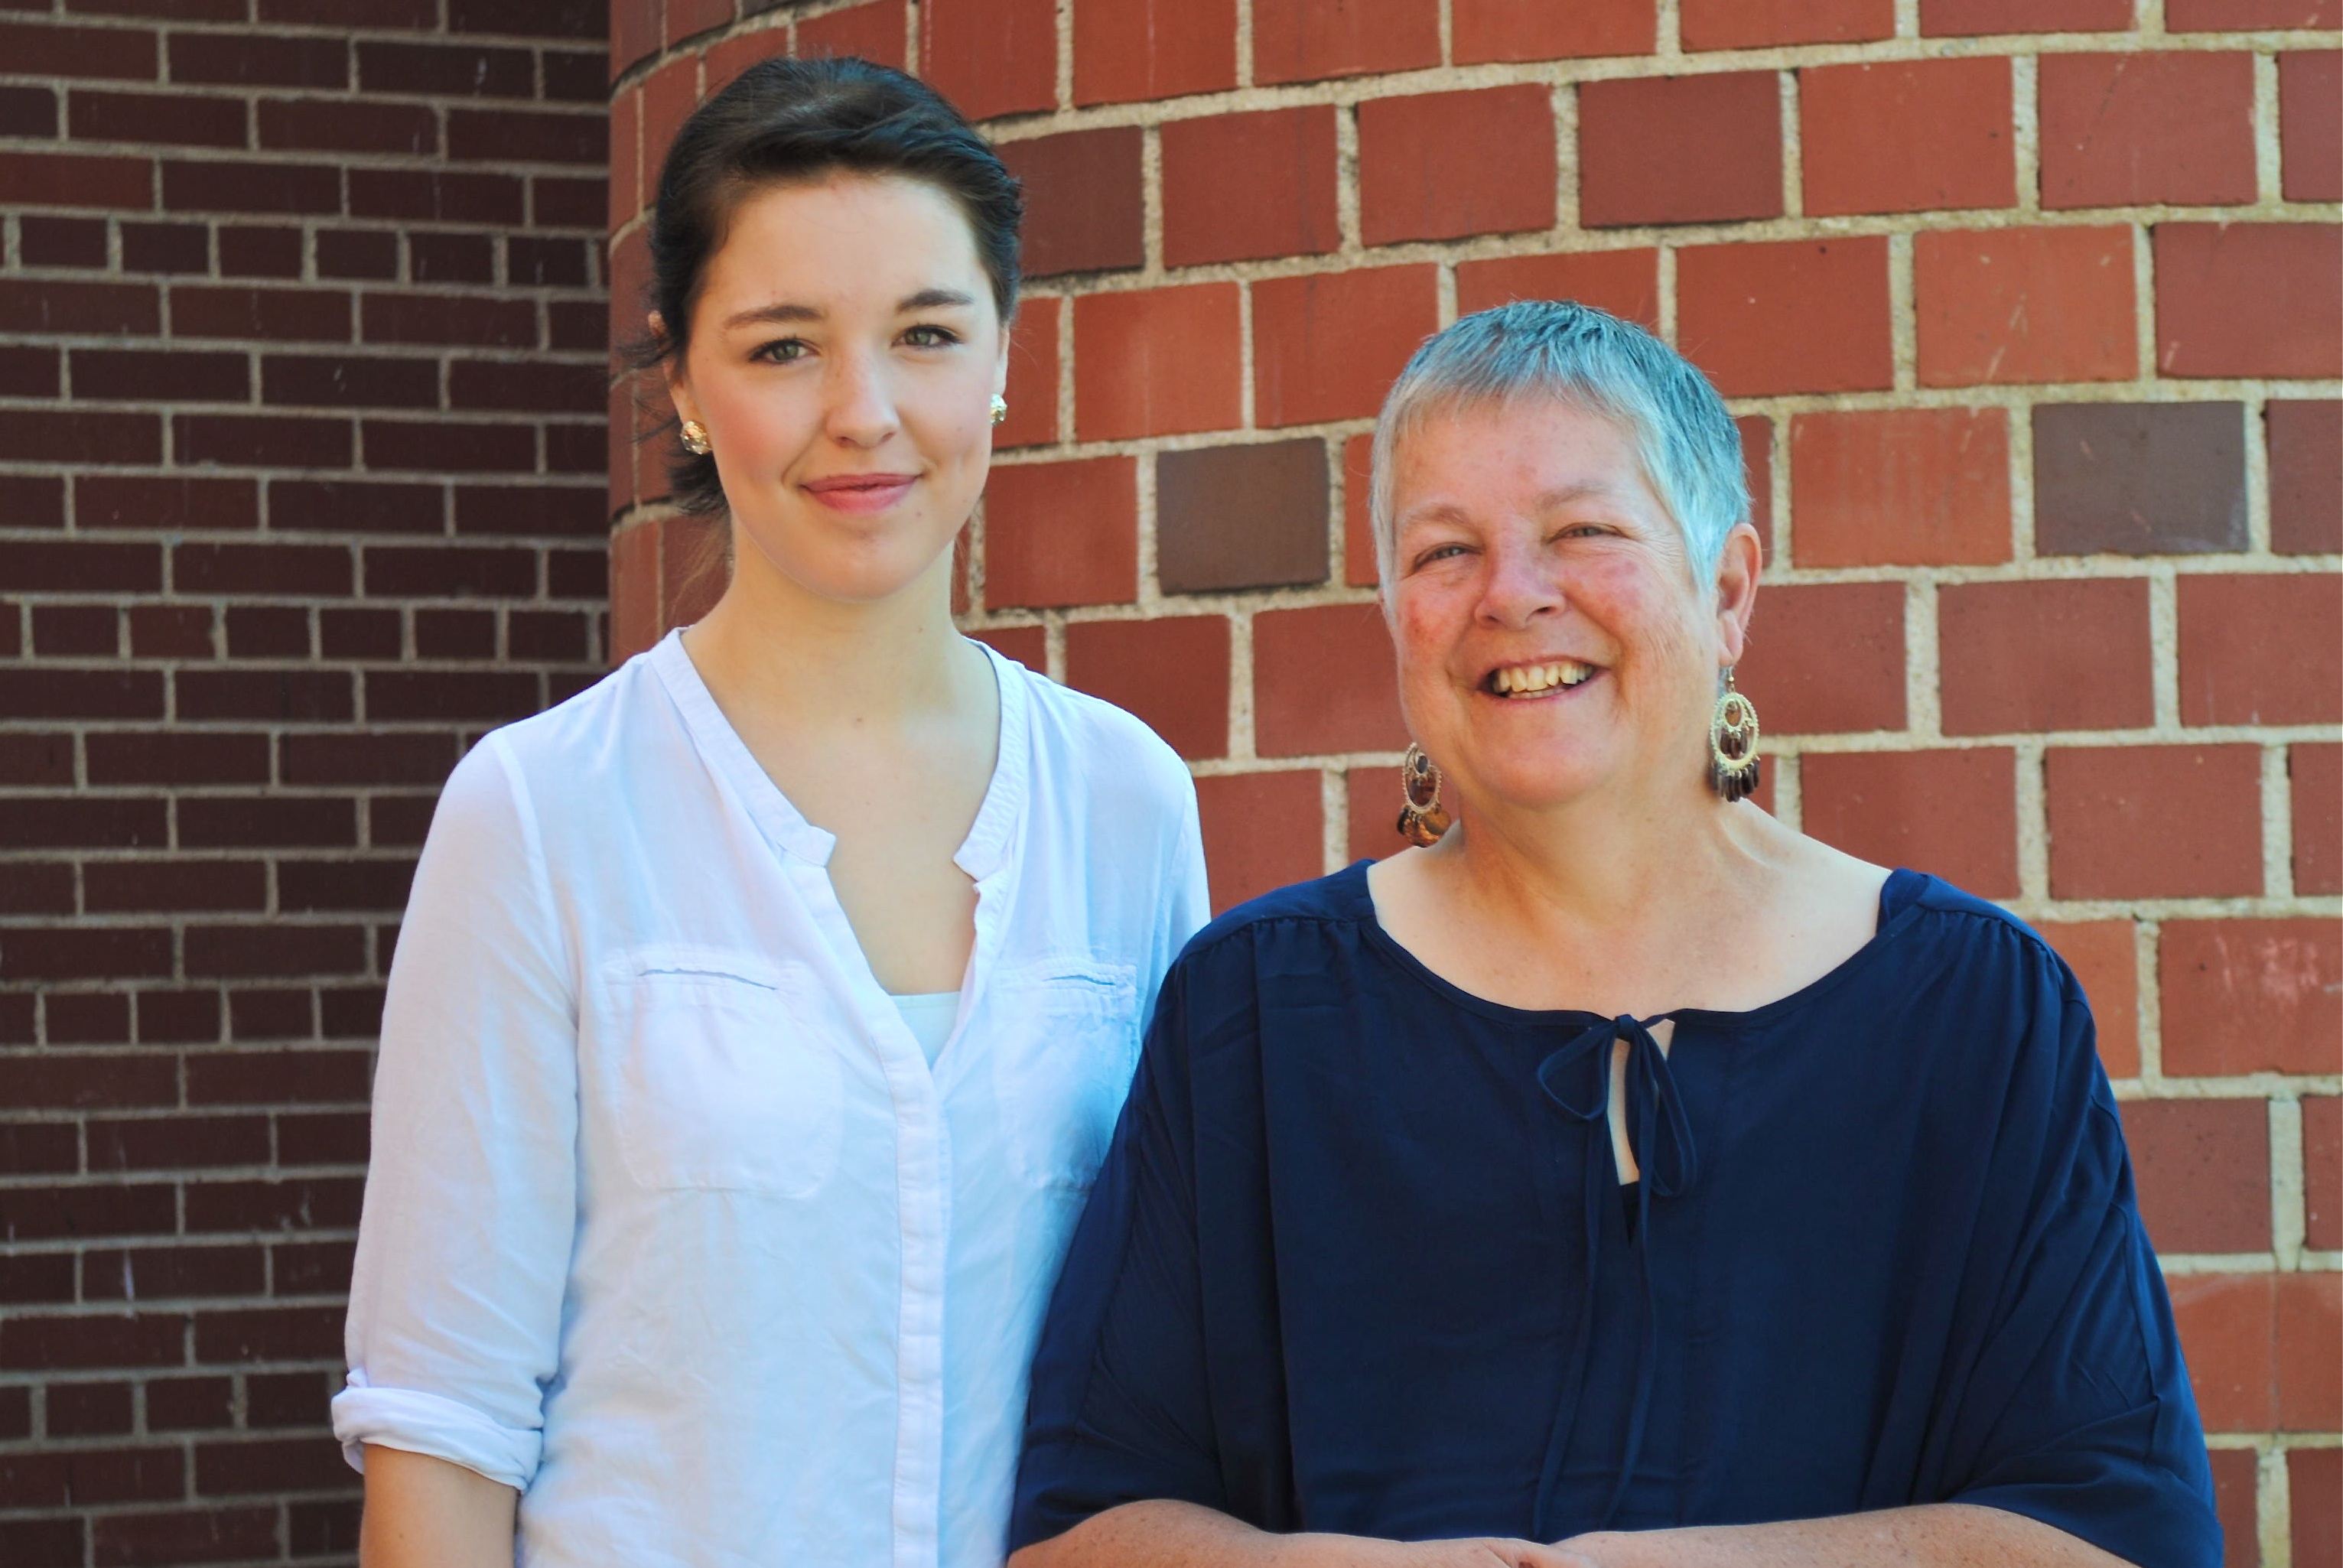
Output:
x=695 y=438
x=1734 y=768
x=1421 y=818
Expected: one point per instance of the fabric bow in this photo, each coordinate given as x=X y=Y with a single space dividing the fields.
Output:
x=1578 y=1077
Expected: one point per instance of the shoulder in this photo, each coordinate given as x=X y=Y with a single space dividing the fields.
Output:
x=1956 y=928
x=580 y=729
x=1325 y=909
x=1113 y=754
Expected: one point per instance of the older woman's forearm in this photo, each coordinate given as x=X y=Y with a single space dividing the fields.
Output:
x=1183 y=1535
x=1934 y=1535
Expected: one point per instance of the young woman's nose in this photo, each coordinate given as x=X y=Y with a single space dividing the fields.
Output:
x=860 y=403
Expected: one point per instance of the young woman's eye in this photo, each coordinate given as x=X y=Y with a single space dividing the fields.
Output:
x=781 y=351
x=930 y=336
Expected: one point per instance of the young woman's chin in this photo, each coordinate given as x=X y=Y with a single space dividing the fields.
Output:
x=860 y=567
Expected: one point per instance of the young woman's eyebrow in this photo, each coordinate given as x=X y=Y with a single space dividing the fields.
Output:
x=778 y=311
x=784 y=311
x=933 y=299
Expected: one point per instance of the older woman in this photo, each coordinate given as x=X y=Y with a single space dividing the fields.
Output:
x=1624 y=1179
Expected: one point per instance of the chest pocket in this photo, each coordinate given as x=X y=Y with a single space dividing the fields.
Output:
x=1061 y=1074
x=723 y=1078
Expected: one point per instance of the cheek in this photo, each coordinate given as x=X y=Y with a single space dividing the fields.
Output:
x=754 y=425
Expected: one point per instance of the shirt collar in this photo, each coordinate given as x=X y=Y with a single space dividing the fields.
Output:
x=990 y=837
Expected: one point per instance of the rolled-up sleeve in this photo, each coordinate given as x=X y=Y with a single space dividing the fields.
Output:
x=471 y=1206
x=2074 y=1408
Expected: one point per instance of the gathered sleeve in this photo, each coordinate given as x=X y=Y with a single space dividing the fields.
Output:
x=2069 y=1402
x=464 y=1245
x=1121 y=1409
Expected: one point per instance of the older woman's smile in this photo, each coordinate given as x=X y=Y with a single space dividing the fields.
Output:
x=1522 y=682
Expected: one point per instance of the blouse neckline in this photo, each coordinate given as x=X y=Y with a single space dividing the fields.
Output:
x=980 y=853
x=1899 y=906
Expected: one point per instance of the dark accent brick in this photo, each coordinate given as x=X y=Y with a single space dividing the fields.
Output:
x=1082 y=200
x=1252 y=516
x=2139 y=479
x=63 y=241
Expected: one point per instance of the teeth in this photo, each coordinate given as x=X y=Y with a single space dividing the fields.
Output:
x=1528 y=679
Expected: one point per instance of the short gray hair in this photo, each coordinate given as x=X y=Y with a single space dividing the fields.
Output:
x=1590 y=359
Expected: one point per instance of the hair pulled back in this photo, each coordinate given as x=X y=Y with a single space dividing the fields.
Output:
x=782 y=121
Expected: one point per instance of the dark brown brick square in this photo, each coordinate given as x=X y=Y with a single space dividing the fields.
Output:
x=2139 y=479
x=1241 y=517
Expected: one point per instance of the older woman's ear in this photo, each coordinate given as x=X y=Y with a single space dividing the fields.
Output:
x=1738 y=566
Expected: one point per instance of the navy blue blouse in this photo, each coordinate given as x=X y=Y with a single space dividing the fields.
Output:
x=1358 y=1259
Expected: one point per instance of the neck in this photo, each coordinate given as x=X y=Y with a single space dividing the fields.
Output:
x=816 y=665
x=1624 y=862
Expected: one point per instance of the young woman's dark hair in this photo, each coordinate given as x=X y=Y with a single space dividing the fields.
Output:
x=784 y=120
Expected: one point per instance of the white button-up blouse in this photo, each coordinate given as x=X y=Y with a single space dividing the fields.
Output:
x=669 y=1223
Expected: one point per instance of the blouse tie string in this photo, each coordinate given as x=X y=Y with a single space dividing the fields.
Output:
x=1578 y=1077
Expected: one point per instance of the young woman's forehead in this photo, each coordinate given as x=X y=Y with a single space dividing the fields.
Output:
x=846 y=237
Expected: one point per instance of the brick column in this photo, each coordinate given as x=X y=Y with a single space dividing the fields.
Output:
x=301 y=407
x=2030 y=309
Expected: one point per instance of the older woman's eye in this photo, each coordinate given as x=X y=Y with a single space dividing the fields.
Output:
x=1439 y=553
x=930 y=336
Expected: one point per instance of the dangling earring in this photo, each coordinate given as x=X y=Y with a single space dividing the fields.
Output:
x=1734 y=768
x=1000 y=407
x=695 y=438
x=1421 y=818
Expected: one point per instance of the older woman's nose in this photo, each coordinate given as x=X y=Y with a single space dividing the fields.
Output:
x=1522 y=584
x=859 y=403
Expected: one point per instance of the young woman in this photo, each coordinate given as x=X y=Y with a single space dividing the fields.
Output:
x=761 y=1015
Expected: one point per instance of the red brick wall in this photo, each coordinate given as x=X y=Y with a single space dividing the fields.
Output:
x=301 y=332
x=2031 y=311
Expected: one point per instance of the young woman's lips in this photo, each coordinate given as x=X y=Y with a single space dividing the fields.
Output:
x=861 y=493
